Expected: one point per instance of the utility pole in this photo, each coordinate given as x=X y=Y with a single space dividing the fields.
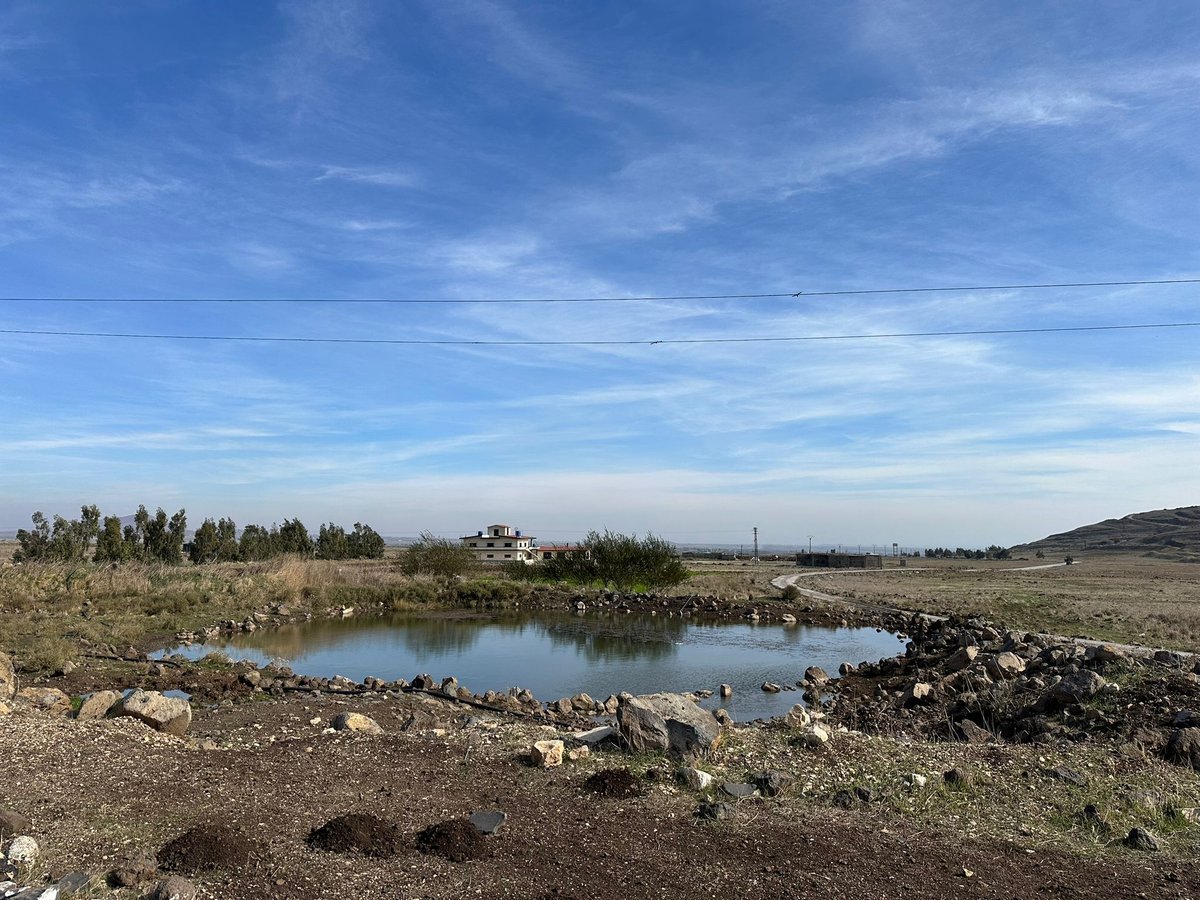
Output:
x=810 y=548
x=756 y=543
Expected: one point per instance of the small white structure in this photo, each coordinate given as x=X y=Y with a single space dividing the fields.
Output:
x=500 y=543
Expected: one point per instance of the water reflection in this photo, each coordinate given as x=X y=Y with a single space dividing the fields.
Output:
x=561 y=655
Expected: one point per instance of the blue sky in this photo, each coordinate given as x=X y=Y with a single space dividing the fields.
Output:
x=260 y=152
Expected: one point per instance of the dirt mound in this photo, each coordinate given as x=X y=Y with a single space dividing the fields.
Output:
x=456 y=840
x=614 y=783
x=206 y=847
x=357 y=833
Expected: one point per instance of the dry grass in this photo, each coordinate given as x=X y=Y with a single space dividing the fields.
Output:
x=1130 y=599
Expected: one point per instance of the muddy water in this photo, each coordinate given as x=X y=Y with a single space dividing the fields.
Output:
x=558 y=655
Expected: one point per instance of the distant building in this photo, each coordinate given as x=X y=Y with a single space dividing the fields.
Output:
x=840 y=560
x=500 y=543
x=553 y=551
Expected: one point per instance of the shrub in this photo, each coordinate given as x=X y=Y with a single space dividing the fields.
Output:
x=432 y=555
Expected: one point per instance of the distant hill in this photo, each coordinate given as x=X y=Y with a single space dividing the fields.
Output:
x=1168 y=533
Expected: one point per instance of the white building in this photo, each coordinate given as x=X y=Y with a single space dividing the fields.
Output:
x=500 y=543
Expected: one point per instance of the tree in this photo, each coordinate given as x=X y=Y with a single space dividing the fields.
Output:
x=293 y=537
x=366 y=542
x=35 y=544
x=111 y=545
x=432 y=555
x=332 y=542
x=255 y=543
x=626 y=562
x=204 y=544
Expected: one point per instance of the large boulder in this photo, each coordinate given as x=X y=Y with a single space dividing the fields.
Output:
x=8 y=677
x=97 y=704
x=171 y=715
x=667 y=723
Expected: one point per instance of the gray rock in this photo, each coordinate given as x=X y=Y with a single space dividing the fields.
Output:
x=773 y=782
x=8 y=677
x=97 y=704
x=171 y=715
x=1079 y=686
x=488 y=821
x=714 y=811
x=595 y=736
x=816 y=675
x=1141 y=839
x=770 y=687
x=959 y=778
x=173 y=888
x=1106 y=653
x=12 y=823
x=962 y=658
x=667 y=723
x=75 y=884
x=726 y=690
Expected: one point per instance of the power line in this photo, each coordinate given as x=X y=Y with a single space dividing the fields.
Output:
x=632 y=299
x=461 y=342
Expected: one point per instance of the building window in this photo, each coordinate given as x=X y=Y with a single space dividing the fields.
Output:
x=508 y=556
x=491 y=544
x=491 y=555
x=508 y=543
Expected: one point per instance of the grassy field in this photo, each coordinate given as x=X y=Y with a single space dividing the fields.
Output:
x=48 y=612
x=1130 y=599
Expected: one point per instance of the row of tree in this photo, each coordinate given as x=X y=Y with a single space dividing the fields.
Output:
x=994 y=551
x=159 y=538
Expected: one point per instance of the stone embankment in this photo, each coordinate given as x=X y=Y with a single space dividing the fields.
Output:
x=970 y=680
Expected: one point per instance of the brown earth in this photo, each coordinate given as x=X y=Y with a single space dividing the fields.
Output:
x=358 y=833
x=99 y=789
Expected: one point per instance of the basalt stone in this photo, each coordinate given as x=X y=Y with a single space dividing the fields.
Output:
x=667 y=723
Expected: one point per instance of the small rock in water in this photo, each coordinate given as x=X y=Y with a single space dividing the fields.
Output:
x=726 y=690
x=771 y=687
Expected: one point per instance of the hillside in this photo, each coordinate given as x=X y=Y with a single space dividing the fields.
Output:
x=1169 y=533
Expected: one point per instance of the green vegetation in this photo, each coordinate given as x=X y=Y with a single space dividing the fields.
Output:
x=620 y=561
x=437 y=556
x=159 y=539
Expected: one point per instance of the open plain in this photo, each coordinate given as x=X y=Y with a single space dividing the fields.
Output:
x=902 y=799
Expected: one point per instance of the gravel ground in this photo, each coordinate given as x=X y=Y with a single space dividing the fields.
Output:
x=98 y=791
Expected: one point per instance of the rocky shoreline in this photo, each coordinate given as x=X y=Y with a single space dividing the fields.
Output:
x=962 y=683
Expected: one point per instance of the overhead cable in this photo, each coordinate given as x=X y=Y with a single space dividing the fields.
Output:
x=631 y=299
x=489 y=342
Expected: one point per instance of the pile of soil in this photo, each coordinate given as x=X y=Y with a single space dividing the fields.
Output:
x=455 y=839
x=614 y=783
x=357 y=833
x=207 y=847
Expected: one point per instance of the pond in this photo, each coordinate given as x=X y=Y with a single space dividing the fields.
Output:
x=559 y=655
